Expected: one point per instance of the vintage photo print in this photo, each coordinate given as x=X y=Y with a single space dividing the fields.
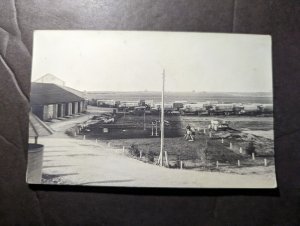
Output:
x=151 y=109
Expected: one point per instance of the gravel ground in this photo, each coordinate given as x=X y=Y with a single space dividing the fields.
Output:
x=84 y=162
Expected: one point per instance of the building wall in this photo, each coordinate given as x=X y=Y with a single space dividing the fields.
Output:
x=50 y=112
x=80 y=107
x=61 y=110
x=55 y=110
x=38 y=110
x=75 y=107
x=70 y=108
x=45 y=112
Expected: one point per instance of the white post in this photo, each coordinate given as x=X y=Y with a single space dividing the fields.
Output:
x=141 y=153
x=241 y=150
x=156 y=134
x=230 y=145
x=253 y=156
x=158 y=160
x=166 y=157
x=145 y=119
x=84 y=137
x=152 y=129
x=75 y=134
x=198 y=128
x=181 y=164
x=222 y=141
x=217 y=164
x=123 y=149
x=210 y=134
x=204 y=131
x=162 y=126
x=96 y=141
x=239 y=163
x=265 y=162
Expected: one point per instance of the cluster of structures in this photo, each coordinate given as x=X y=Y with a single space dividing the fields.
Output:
x=185 y=108
x=51 y=99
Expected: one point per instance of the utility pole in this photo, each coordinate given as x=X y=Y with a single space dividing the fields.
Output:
x=144 y=119
x=162 y=126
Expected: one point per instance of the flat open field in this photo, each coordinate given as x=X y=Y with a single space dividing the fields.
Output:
x=204 y=152
x=226 y=97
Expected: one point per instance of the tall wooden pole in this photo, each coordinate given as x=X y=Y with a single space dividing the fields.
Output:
x=144 y=119
x=162 y=126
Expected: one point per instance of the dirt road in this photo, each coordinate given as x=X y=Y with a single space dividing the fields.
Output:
x=84 y=162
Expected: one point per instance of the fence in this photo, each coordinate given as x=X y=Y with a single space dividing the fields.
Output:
x=179 y=161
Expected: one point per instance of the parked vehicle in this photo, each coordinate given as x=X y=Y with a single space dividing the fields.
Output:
x=266 y=108
x=194 y=108
x=222 y=109
x=250 y=109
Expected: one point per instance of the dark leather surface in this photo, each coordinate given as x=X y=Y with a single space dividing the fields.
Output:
x=24 y=205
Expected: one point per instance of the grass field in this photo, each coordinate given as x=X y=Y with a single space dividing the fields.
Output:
x=204 y=152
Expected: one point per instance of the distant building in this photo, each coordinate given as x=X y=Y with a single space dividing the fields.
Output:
x=49 y=78
x=50 y=101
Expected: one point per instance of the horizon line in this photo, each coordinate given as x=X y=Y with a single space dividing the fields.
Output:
x=166 y=91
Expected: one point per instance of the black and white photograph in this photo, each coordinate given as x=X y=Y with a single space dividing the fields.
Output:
x=151 y=109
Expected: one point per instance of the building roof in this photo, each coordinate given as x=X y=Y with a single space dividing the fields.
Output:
x=49 y=78
x=47 y=93
x=75 y=91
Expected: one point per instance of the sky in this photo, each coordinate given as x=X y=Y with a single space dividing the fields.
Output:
x=135 y=60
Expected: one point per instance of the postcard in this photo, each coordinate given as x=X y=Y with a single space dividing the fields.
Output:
x=151 y=109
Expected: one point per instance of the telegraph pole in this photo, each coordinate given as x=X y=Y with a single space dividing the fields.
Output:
x=145 y=119
x=162 y=126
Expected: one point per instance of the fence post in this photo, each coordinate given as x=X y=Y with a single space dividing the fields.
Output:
x=204 y=131
x=152 y=130
x=166 y=156
x=156 y=134
x=265 y=162
x=141 y=153
x=181 y=164
x=84 y=137
x=239 y=163
x=217 y=164
x=241 y=150
x=158 y=160
x=222 y=141
x=253 y=156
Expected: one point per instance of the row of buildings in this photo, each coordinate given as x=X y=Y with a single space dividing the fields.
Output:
x=51 y=99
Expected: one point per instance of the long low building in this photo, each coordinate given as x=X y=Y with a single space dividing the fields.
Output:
x=50 y=101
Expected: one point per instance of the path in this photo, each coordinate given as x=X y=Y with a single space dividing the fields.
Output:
x=85 y=162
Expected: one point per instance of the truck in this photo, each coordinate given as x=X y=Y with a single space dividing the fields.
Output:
x=249 y=109
x=221 y=109
x=192 y=108
x=266 y=108
x=128 y=105
x=178 y=104
x=106 y=103
x=168 y=108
